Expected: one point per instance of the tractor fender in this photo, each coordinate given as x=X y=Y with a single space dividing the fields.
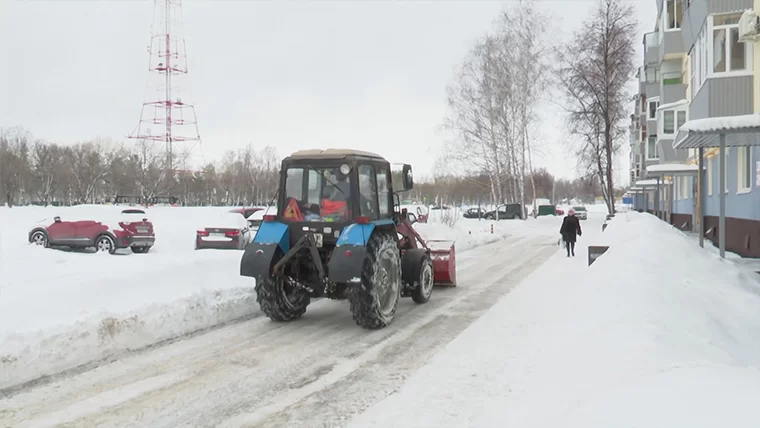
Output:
x=411 y=264
x=347 y=259
x=346 y=264
x=273 y=232
x=258 y=259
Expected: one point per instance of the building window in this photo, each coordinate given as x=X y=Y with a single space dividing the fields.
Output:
x=668 y=121
x=685 y=188
x=744 y=160
x=728 y=54
x=709 y=176
x=652 y=110
x=673 y=13
x=671 y=120
x=652 y=147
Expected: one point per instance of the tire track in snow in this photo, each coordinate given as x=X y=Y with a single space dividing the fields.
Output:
x=252 y=365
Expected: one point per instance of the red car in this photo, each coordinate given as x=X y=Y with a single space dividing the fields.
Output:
x=129 y=230
x=246 y=212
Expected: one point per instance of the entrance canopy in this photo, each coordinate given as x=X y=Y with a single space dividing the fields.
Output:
x=641 y=184
x=672 y=169
x=739 y=131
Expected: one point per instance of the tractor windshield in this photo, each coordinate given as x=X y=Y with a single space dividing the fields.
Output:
x=317 y=194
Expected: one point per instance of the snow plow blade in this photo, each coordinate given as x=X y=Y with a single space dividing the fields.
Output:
x=443 y=254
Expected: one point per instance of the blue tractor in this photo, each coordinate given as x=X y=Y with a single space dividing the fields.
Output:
x=339 y=233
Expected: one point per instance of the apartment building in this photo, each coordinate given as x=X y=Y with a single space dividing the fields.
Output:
x=703 y=70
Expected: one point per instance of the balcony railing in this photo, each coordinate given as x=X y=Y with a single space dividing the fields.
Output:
x=672 y=78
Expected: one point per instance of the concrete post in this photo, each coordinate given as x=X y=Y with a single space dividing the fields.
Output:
x=701 y=197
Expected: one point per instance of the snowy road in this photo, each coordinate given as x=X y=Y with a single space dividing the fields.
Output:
x=318 y=371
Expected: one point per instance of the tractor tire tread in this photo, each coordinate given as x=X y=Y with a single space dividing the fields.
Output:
x=364 y=306
x=272 y=303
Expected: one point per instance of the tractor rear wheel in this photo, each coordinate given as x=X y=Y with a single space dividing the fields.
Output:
x=279 y=301
x=422 y=293
x=374 y=301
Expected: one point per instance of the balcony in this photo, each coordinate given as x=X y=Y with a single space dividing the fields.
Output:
x=652 y=48
x=673 y=88
x=671 y=46
x=652 y=81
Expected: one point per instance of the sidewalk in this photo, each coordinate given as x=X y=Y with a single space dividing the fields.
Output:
x=656 y=332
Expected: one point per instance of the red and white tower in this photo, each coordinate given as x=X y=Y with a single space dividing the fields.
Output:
x=164 y=116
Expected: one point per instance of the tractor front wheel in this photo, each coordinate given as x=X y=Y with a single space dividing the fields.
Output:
x=280 y=302
x=374 y=301
x=422 y=293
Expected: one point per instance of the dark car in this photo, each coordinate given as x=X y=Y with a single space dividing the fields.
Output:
x=475 y=213
x=131 y=229
x=507 y=211
x=227 y=231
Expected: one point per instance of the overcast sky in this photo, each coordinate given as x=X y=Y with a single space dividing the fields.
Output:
x=292 y=74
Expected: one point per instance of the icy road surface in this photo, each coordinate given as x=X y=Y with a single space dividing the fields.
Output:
x=317 y=371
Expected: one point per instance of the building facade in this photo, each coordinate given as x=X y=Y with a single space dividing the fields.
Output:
x=705 y=71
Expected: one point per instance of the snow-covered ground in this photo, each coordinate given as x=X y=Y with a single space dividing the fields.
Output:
x=63 y=309
x=657 y=332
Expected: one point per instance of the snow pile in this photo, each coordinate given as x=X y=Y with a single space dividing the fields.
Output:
x=656 y=332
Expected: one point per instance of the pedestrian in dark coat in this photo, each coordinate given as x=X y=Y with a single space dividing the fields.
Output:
x=571 y=227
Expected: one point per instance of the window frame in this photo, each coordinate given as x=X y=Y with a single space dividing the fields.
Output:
x=748 y=49
x=744 y=170
x=709 y=178
x=678 y=13
x=684 y=108
x=373 y=190
x=654 y=139
x=655 y=101
x=386 y=169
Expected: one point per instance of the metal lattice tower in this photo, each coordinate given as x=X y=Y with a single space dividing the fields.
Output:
x=167 y=66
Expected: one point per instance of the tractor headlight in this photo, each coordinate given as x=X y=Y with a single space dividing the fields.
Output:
x=345 y=169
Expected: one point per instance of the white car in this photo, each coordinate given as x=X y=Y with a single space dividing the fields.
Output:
x=581 y=213
x=225 y=231
x=255 y=219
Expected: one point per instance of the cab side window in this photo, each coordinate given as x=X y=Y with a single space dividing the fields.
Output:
x=367 y=192
x=384 y=207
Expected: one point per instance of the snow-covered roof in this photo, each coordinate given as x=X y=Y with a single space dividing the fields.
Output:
x=740 y=131
x=672 y=105
x=672 y=169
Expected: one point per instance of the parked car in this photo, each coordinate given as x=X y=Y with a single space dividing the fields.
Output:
x=246 y=212
x=507 y=211
x=129 y=228
x=581 y=213
x=255 y=219
x=475 y=213
x=559 y=211
x=227 y=231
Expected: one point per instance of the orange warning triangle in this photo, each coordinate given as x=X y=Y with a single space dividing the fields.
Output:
x=292 y=211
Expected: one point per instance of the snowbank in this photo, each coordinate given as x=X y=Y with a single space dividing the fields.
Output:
x=655 y=333
x=62 y=309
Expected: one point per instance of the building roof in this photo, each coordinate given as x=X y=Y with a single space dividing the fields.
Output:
x=331 y=154
x=740 y=131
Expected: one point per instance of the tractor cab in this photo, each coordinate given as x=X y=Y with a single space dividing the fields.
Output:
x=322 y=191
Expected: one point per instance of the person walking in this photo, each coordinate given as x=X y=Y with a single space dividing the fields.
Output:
x=571 y=227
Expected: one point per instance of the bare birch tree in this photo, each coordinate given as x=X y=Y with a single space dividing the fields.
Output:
x=596 y=68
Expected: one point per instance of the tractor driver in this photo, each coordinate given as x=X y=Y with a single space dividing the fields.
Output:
x=335 y=206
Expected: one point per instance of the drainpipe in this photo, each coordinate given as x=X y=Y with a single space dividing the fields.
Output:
x=722 y=190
